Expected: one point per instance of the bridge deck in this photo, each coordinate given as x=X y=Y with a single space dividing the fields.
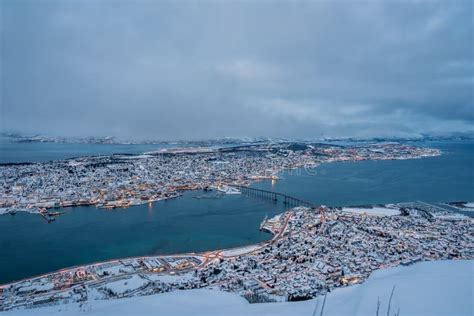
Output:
x=286 y=198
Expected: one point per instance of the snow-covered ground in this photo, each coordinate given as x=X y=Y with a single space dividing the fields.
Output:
x=373 y=211
x=241 y=250
x=129 y=284
x=165 y=278
x=428 y=288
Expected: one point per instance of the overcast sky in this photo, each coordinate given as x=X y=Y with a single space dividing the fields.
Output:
x=164 y=70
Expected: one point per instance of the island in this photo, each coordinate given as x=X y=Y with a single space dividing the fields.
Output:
x=312 y=252
x=125 y=180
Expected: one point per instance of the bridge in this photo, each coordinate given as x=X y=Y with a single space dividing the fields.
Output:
x=274 y=196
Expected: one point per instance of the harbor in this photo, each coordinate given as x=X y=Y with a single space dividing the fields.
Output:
x=305 y=242
x=86 y=234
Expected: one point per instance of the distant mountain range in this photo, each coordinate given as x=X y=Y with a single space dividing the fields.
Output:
x=37 y=138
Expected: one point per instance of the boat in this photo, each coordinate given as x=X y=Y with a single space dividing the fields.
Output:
x=55 y=213
x=262 y=224
x=228 y=190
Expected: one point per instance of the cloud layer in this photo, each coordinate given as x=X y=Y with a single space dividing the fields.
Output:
x=146 y=69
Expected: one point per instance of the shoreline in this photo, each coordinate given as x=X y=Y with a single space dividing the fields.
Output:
x=33 y=211
x=177 y=255
x=262 y=227
x=416 y=284
x=284 y=228
x=195 y=187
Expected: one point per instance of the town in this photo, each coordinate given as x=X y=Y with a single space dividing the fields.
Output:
x=125 y=180
x=313 y=251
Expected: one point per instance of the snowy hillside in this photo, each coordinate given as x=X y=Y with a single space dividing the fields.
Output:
x=428 y=288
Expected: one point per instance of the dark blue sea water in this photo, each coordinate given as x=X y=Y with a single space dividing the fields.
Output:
x=42 y=152
x=14 y=152
x=29 y=246
x=449 y=177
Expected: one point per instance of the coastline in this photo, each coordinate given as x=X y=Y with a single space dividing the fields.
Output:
x=178 y=255
x=284 y=228
x=275 y=175
x=415 y=285
x=247 y=183
x=204 y=257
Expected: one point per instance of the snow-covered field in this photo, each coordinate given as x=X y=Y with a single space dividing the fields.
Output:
x=164 y=278
x=373 y=211
x=428 y=288
x=129 y=284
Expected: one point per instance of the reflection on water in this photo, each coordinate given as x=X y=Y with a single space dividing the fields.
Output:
x=448 y=177
x=30 y=246
x=187 y=224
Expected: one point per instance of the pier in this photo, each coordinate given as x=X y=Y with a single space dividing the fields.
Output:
x=46 y=217
x=288 y=200
x=447 y=208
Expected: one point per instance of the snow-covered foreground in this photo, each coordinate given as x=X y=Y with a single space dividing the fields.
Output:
x=427 y=288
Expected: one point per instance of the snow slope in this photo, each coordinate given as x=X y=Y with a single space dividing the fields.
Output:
x=428 y=288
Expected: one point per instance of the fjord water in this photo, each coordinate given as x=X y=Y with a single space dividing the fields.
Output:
x=449 y=177
x=29 y=246
x=18 y=152
x=13 y=152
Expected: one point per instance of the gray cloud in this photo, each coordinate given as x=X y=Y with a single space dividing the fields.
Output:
x=145 y=69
